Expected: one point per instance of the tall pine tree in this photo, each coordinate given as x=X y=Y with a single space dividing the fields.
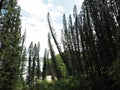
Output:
x=10 y=34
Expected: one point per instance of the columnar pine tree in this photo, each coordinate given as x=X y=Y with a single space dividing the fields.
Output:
x=54 y=60
x=29 y=77
x=38 y=72
x=10 y=34
x=45 y=64
x=64 y=58
x=23 y=59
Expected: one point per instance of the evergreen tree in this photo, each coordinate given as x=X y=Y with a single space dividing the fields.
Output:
x=10 y=34
x=64 y=58
x=45 y=64
x=38 y=73
x=23 y=59
x=33 y=68
x=29 y=77
x=53 y=58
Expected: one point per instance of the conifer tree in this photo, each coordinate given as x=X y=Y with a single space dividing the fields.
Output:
x=29 y=77
x=38 y=72
x=64 y=58
x=54 y=60
x=23 y=59
x=10 y=34
x=45 y=64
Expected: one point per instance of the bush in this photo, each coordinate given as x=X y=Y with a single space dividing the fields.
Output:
x=68 y=83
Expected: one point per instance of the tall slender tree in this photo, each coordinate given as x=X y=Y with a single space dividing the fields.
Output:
x=38 y=72
x=10 y=34
x=54 y=60
x=30 y=50
x=45 y=64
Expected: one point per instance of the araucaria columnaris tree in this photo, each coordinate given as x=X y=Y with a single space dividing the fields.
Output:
x=44 y=73
x=30 y=58
x=10 y=34
x=54 y=60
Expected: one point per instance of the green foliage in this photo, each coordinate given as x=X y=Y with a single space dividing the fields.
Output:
x=50 y=66
x=43 y=85
x=61 y=65
x=68 y=83
x=10 y=37
x=72 y=83
x=114 y=72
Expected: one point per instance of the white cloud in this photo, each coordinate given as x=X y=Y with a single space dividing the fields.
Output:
x=50 y=1
x=34 y=19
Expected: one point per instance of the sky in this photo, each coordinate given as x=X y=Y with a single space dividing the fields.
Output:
x=34 y=18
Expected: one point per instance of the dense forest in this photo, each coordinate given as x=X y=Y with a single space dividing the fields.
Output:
x=88 y=59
